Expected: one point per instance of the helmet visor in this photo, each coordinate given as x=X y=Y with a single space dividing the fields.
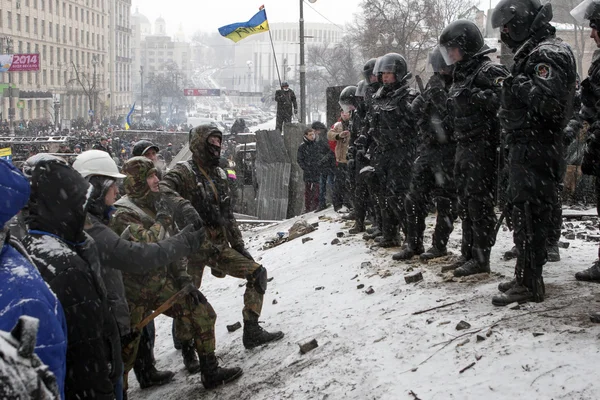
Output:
x=451 y=55
x=347 y=107
x=361 y=89
x=579 y=12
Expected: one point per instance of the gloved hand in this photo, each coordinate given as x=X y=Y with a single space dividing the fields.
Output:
x=351 y=164
x=130 y=337
x=164 y=218
x=190 y=216
x=243 y=251
x=195 y=294
x=195 y=237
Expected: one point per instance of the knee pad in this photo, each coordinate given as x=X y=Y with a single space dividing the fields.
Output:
x=259 y=279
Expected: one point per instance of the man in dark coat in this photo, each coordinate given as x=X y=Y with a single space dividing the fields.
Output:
x=68 y=261
x=286 y=105
x=326 y=162
x=308 y=159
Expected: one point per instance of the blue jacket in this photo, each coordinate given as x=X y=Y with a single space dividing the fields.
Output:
x=24 y=292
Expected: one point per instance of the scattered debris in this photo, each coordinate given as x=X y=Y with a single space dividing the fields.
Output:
x=414 y=277
x=414 y=395
x=536 y=334
x=463 y=342
x=462 y=325
x=234 y=327
x=340 y=234
x=306 y=239
x=447 y=268
x=362 y=285
x=514 y=306
x=489 y=332
x=242 y=284
x=366 y=264
x=274 y=301
x=315 y=225
x=370 y=290
x=564 y=245
x=478 y=357
x=570 y=236
x=335 y=241
x=467 y=367
x=354 y=277
x=480 y=338
x=308 y=346
x=443 y=323
x=435 y=308
x=320 y=288
x=300 y=228
x=270 y=279
x=385 y=273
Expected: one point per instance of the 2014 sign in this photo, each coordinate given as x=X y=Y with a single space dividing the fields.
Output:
x=19 y=62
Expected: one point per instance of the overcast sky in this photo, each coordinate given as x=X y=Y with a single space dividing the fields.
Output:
x=208 y=15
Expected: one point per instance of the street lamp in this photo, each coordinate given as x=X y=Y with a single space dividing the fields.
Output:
x=386 y=37
x=11 y=109
x=94 y=91
x=302 y=66
x=142 y=92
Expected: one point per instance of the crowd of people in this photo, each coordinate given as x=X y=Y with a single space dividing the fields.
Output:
x=95 y=252
x=95 y=266
x=401 y=152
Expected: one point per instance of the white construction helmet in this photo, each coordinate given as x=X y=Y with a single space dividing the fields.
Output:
x=96 y=162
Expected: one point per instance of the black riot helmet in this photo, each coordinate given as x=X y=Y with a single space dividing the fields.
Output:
x=361 y=88
x=141 y=147
x=588 y=10
x=348 y=100
x=395 y=63
x=517 y=16
x=436 y=60
x=463 y=35
x=368 y=69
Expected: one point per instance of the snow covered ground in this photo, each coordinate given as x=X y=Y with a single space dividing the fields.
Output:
x=374 y=347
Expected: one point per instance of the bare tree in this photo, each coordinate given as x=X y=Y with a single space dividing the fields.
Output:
x=167 y=85
x=88 y=85
x=561 y=10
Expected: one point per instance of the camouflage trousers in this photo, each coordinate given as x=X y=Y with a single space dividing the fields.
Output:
x=230 y=262
x=192 y=321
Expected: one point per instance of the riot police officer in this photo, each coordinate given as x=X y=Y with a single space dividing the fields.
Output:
x=433 y=171
x=590 y=112
x=537 y=103
x=393 y=132
x=474 y=100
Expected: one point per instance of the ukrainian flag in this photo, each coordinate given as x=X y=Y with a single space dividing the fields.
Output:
x=127 y=120
x=241 y=30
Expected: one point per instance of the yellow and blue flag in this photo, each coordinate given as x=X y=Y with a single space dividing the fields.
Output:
x=127 y=120
x=241 y=30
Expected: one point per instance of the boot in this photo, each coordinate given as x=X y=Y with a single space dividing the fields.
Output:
x=190 y=359
x=480 y=263
x=387 y=243
x=434 y=252
x=371 y=236
x=506 y=286
x=372 y=230
x=512 y=253
x=519 y=294
x=357 y=228
x=351 y=216
x=553 y=252
x=410 y=250
x=456 y=264
x=255 y=335
x=214 y=376
x=595 y=317
x=154 y=377
x=592 y=274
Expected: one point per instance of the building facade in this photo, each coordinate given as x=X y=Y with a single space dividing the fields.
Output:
x=120 y=36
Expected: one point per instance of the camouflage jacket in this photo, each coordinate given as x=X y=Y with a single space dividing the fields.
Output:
x=136 y=223
x=185 y=182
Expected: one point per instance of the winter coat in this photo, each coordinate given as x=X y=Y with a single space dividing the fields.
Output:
x=326 y=162
x=24 y=291
x=308 y=159
x=286 y=103
x=68 y=261
x=341 y=143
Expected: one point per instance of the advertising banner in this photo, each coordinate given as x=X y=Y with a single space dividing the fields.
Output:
x=6 y=154
x=19 y=62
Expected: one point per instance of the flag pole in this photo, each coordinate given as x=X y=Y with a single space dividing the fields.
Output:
x=273 y=48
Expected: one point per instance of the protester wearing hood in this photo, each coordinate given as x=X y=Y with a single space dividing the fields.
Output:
x=474 y=100
x=68 y=261
x=140 y=214
x=198 y=189
x=27 y=293
x=537 y=104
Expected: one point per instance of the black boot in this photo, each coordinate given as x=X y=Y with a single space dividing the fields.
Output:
x=376 y=232
x=388 y=242
x=460 y=261
x=214 y=376
x=506 y=286
x=434 y=252
x=408 y=252
x=190 y=359
x=472 y=267
x=512 y=253
x=154 y=377
x=255 y=335
x=357 y=228
x=592 y=274
x=518 y=293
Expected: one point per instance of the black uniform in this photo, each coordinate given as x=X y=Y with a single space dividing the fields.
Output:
x=474 y=101
x=286 y=107
x=433 y=170
x=536 y=106
x=395 y=137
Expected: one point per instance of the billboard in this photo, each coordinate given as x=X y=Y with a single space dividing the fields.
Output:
x=202 y=92
x=6 y=154
x=19 y=62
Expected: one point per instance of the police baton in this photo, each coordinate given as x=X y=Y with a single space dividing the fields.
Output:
x=420 y=83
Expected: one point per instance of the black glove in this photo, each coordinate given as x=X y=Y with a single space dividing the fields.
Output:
x=164 y=218
x=243 y=251
x=196 y=295
x=351 y=164
x=129 y=338
x=189 y=215
x=194 y=238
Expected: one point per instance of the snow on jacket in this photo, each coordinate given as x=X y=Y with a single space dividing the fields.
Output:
x=68 y=261
x=24 y=292
x=341 y=143
x=308 y=159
